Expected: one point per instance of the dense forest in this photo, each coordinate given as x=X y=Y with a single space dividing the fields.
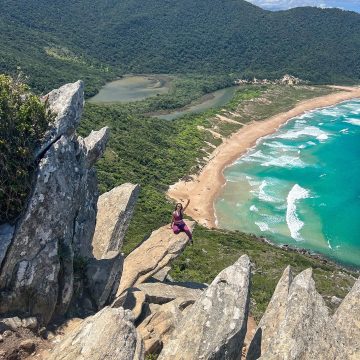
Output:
x=56 y=42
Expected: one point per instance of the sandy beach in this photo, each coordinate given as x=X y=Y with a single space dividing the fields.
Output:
x=203 y=189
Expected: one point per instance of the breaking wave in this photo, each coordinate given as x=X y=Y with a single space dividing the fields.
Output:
x=292 y=220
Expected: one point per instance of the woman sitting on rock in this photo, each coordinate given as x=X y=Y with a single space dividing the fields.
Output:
x=177 y=222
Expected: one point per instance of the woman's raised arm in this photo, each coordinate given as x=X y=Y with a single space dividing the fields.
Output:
x=188 y=202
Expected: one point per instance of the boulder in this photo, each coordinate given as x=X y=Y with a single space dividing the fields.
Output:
x=157 y=328
x=152 y=255
x=37 y=273
x=161 y=293
x=109 y=334
x=215 y=326
x=115 y=209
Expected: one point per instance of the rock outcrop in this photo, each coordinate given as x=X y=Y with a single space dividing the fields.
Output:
x=215 y=326
x=110 y=334
x=37 y=271
x=115 y=209
x=297 y=325
x=152 y=255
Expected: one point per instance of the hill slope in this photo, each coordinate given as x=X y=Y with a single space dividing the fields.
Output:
x=88 y=39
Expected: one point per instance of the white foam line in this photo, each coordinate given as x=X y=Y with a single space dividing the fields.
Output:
x=292 y=220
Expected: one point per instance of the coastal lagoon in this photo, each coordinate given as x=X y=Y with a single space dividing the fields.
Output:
x=212 y=100
x=132 y=88
x=139 y=87
x=301 y=185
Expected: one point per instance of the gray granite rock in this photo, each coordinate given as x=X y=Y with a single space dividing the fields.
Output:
x=305 y=318
x=157 y=328
x=215 y=326
x=109 y=334
x=103 y=277
x=67 y=104
x=272 y=318
x=95 y=145
x=115 y=209
x=36 y=277
x=152 y=255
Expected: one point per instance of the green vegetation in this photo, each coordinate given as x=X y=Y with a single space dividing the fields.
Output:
x=156 y=153
x=23 y=122
x=58 y=42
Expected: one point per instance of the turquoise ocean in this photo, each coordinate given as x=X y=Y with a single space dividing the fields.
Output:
x=301 y=185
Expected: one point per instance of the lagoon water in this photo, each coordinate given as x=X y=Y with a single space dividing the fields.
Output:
x=301 y=185
x=213 y=100
x=132 y=88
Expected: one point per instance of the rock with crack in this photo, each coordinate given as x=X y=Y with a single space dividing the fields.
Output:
x=157 y=327
x=152 y=255
x=215 y=326
x=161 y=293
x=37 y=273
x=109 y=334
x=103 y=277
x=115 y=209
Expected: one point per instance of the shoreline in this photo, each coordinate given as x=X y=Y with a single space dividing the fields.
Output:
x=205 y=187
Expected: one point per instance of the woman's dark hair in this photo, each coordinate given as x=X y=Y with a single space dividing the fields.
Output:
x=177 y=206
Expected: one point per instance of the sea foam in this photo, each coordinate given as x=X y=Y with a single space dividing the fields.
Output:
x=306 y=131
x=292 y=220
x=353 y=121
x=285 y=162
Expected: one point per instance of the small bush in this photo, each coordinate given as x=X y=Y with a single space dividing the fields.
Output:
x=24 y=119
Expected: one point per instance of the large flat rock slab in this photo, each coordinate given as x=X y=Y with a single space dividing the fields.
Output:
x=215 y=326
x=152 y=255
x=161 y=293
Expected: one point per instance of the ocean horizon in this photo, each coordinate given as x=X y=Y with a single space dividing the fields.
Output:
x=301 y=185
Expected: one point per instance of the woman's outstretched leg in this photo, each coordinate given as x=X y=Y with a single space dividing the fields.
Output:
x=188 y=232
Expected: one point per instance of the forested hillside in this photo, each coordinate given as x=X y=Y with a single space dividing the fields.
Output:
x=56 y=42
